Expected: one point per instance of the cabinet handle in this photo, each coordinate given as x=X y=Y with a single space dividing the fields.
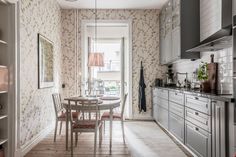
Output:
x=196 y=98
x=197 y=129
x=176 y=94
x=196 y=113
x=206 y=105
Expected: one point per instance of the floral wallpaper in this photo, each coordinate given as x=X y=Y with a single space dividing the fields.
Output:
x=145 y=42
x=36 y=106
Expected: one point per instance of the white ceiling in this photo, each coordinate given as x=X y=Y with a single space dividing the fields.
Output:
x=113 y=4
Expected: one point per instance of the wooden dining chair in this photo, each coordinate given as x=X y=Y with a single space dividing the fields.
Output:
x=117 y=116
x=90 y=123
x=60 y=113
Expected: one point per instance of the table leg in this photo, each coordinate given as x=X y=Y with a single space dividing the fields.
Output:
x=111 y=120
x=67 y=121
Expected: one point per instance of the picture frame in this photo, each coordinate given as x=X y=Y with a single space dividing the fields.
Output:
x=45 y=62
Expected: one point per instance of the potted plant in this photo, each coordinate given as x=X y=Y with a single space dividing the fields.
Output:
x=202 y=75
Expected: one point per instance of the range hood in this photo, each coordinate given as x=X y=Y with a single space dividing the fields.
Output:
x=220 y=40
x=215 y=26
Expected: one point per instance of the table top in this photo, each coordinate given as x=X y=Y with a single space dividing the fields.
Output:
x=104 y=104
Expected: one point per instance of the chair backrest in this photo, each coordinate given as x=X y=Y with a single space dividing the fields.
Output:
x=86 y=106
x=57 y=103
x=123 y=105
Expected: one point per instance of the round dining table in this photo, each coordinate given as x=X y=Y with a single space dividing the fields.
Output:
x=104 y=103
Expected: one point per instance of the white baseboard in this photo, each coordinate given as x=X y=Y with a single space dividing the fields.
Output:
x=34 y=141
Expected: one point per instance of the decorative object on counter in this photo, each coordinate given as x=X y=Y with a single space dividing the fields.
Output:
x=142 y=96
x=158 y=82
x=202 y=75
x=195 y=84
x=170 y=77
x=185 y=83
x=212 y=69
x=3 y=79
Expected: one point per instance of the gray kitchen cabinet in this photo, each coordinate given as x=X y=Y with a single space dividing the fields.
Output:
x=218 y=129
x=162 y=37
x=176 y=48
x=176 y=126
x=198 y=140
x=165 y=33
x=163 y=103
x=176 y=51
x=155 y=113
x=155 y=105
x=198 y=103
x=176 y=97
x=163 y=93
x=200 y=119
x=179 y=30
x=198 y=122
x=155 y=96
x=163 y=117
x=176 y=109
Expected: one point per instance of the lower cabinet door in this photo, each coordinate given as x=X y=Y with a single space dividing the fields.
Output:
x=155 y=112
x=176 y=126
x=198 y=140
x=163 y=117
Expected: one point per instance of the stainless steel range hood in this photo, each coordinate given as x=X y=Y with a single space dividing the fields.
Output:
x=220 y=40
x=215 y=26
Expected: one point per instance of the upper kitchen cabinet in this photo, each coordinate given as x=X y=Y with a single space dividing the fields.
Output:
x=179 y=30
x=166 y=32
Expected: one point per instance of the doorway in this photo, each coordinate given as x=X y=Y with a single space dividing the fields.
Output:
x=114 y=78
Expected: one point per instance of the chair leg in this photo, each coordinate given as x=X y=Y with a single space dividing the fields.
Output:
x=76 y=138
x=104 y=122
x=60 y=128
x=71 y=136
x=55 y=132
x=123 y=131
x=95 y=143
x=100 y=136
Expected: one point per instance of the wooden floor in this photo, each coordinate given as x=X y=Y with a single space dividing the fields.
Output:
x=147 y=139
x=144 y=139
x=47 y=148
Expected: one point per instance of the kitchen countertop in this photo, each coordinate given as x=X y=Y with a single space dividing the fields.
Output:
x=219 y=97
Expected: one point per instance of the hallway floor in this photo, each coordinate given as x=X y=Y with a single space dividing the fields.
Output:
x=144 y=139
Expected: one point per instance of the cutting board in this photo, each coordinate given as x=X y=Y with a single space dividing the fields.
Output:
x=213 y=75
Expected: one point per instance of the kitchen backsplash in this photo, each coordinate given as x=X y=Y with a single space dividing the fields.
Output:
x=225 y=69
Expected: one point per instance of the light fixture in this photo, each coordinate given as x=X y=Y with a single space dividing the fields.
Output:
x=95 y=58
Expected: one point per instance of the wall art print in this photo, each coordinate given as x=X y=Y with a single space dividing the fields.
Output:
x=45 y=62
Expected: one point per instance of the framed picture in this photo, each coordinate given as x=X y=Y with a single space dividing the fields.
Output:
x=45 y=62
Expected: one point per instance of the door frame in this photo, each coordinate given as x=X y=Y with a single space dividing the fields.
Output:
x=84 y=23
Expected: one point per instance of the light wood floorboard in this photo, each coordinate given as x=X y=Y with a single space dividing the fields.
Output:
x=48 y=148
x=144 y=139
